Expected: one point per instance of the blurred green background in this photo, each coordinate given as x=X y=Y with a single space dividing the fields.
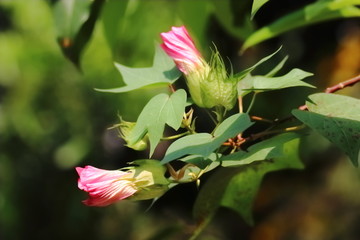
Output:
x=52 y=119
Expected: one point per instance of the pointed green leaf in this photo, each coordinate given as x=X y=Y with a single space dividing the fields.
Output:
x=237 y=187
x=204 y=144
x=277 y=68
x=160 y=110
x=267 y=149
x=163 y=72
x=247 y=82
x=257 y=4
x=245 y=72
x=262 y=83
x=337 y=118
x=311 y=14
x=291 y=79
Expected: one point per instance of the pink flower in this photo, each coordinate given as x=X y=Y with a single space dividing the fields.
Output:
x=105 y=187
x=180 y=47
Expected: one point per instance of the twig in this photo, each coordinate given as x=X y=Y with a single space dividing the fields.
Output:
x=238 y=141
x=261 y=119
x=303 y=107
x=344 y=84
x=172 y=88
x=171 y=170
x=240 y=101
x=256 y=136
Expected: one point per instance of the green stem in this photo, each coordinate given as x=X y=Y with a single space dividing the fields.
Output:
x=189 y=129
x=211 y=117
x=262 y=134
x=233 y=150
x=201 y=226
x=220 y=113
x=252 y=102
x=175 y=136
x=187 y=121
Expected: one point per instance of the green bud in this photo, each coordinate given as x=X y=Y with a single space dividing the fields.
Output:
x=149 y=179
x=125 y=129
x=188 y=119
x=211 y=86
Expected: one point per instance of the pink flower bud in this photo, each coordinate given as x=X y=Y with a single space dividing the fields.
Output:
x=105 y=187
x=180 y=47
x=144 y=180
x=209 y=84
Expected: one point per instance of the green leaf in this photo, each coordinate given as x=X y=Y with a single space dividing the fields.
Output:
x=344 y=133
x=241 y=191
x=237 y=187
x=69 y=16
x=204 y=144
x=245 y=72
x=337 y=118
x=257 y=4
x=197 y=160
x=160 y=110
x=163 y=72
x=74 y=23
x=291 y=79
x=334 y=105
x=203 y=162
x=246 y=81
x=277 y=68
x=267 y=149
x=262 y=83
x=311 y=14
x=245 y=85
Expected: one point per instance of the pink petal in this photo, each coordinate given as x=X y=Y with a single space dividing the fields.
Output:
x=104 y=186
x=178 y=45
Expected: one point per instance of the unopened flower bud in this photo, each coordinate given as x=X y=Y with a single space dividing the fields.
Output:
x=188 y=119
x=125 y=129
x=217 y=88
x=146 y=180
x=209 y=85
x=105 y=186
